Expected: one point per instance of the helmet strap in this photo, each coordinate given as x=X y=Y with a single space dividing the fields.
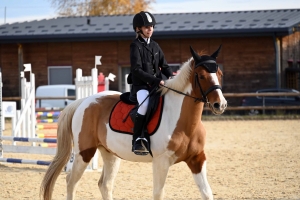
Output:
x=141 y=32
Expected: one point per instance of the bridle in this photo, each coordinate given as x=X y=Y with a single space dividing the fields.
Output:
x=212 y=67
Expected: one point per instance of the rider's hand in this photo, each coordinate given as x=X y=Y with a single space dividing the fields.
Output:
x=161 y=82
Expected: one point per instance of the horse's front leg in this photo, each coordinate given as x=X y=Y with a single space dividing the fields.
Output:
x=198 y=167
x=160 y=167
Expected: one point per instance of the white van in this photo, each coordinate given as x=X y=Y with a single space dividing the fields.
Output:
x=54 y=91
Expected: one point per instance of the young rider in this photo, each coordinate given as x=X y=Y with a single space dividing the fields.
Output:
x=148 y=65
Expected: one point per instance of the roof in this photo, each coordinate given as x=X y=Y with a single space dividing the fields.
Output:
x=178 y=25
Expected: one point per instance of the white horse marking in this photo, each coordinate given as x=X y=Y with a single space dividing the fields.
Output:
x=202 y=183
x=215 y=79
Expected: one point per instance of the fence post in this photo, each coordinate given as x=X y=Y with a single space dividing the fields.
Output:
x=77 y=79
x=106 y=87
x=94 y=73
x=127 y=86
x=32 y=95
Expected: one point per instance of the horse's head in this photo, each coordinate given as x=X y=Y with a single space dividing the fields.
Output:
x=206 y=81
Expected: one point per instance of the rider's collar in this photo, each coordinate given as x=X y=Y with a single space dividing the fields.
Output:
x=147 y=40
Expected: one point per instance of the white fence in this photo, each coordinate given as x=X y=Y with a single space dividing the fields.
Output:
x=23 y=124
x=25 y=119
x=86 y=85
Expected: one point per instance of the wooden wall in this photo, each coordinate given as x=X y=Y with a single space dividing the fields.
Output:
x=9 y=69
x=248 y=62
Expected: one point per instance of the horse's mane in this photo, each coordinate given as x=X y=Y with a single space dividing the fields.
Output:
x=180 y=81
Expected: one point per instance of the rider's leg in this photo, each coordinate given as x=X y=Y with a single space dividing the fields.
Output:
x=140 y=121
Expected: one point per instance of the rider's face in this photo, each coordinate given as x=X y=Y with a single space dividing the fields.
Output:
x=148 y=31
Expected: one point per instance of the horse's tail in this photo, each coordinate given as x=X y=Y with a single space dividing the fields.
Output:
x=63 y=152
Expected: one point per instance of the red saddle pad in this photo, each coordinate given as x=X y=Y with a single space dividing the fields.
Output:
x=121 y=110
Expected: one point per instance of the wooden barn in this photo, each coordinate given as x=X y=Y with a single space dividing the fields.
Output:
x=261 y=49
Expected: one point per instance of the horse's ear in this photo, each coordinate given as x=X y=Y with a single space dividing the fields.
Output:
x=196 y=57
x=215 y=55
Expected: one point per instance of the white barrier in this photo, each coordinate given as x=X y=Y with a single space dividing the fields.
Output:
x=24 y=125
x=28 y=149
x=86 y=85
x=9 y=110
x=25 y=120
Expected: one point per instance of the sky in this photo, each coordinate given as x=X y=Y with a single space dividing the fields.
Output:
x=27 y=10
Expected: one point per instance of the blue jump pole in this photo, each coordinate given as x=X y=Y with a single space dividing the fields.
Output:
x=23 y=161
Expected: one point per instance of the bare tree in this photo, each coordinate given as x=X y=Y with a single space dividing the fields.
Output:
x=100 y=7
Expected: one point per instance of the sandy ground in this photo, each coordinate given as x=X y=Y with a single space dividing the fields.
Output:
x=246 y=160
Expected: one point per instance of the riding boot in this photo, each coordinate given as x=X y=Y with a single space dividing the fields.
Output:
x=138 y=142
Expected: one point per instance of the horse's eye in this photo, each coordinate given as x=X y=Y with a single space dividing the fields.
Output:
x=202 y=77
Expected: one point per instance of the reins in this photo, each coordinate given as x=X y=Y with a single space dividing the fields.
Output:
x=204 y=94
x=196 y=99
x=211 y=67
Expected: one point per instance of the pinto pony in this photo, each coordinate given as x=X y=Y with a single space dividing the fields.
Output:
x=180 y=135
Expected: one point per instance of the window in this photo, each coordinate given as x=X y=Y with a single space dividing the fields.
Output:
x=71 y=92
x=60 y=75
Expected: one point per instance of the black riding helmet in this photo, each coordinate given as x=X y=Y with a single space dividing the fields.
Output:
x=143 y=19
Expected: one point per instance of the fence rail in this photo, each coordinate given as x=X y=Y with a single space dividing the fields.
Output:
x=267 y=94
x=226 y=95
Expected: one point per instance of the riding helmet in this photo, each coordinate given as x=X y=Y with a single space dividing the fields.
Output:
x=143 y=19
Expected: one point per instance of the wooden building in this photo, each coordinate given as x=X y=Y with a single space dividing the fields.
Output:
x=261 y=49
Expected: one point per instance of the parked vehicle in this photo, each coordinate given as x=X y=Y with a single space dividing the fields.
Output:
x=54 y=91
x=272 y=100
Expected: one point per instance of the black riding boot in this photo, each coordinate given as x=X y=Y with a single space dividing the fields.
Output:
x=138 y=142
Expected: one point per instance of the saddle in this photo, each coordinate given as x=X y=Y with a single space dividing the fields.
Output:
x=121 y=118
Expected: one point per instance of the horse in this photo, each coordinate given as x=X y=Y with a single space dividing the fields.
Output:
x=84 y=126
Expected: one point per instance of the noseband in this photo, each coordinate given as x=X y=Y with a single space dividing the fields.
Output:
x=211 y=67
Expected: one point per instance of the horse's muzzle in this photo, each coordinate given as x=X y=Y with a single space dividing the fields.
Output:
x=218 y=107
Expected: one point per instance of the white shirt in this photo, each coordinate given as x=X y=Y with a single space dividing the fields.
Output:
x=147 y=40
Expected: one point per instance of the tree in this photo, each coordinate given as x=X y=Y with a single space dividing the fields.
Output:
x=100 y=7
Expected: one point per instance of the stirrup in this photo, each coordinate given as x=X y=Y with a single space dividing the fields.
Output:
x=141 y=152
